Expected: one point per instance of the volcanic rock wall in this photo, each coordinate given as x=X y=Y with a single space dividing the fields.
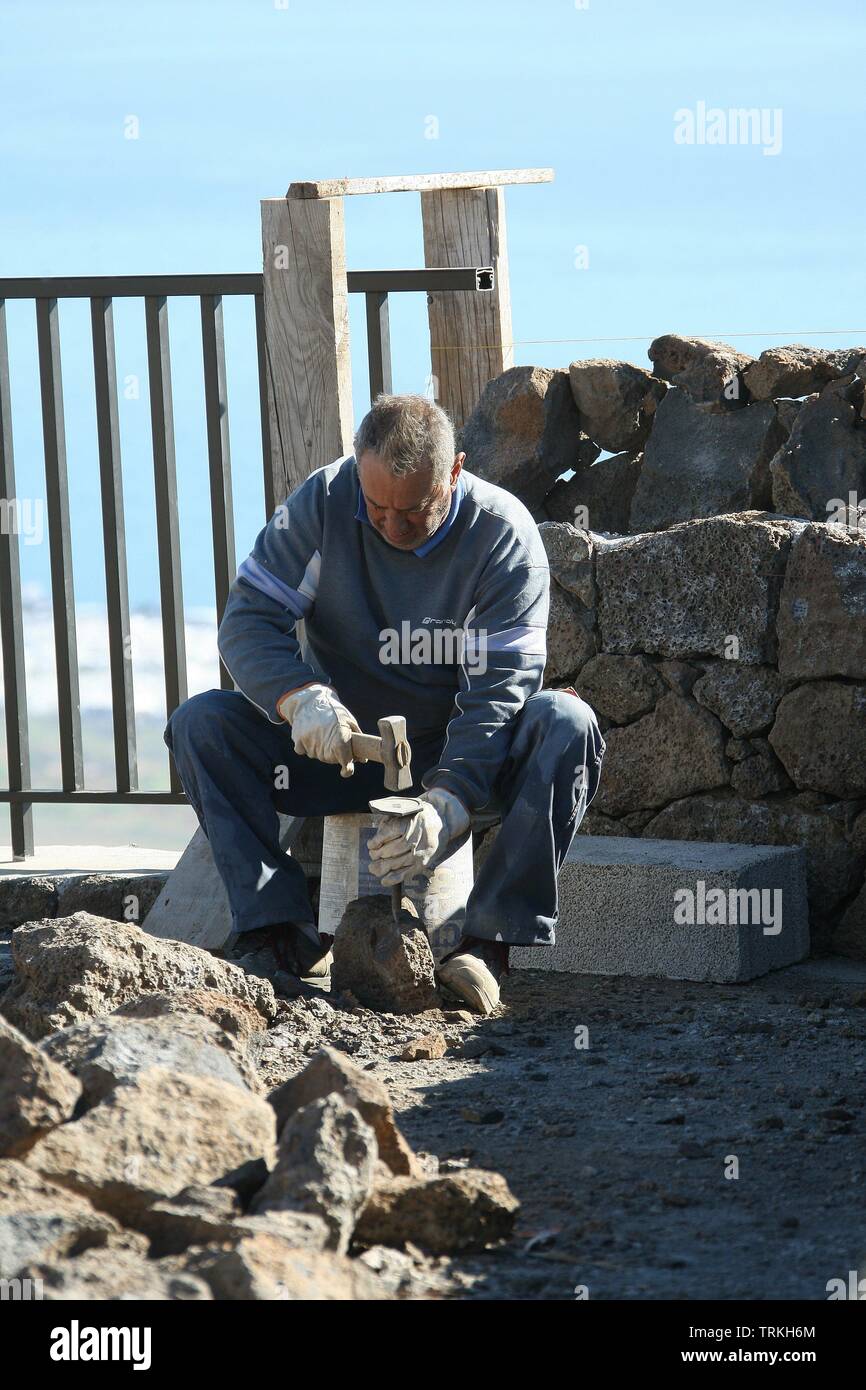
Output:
x=709 y=604
x=613 y=447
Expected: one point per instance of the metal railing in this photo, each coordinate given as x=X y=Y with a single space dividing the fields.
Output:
x=155 y=290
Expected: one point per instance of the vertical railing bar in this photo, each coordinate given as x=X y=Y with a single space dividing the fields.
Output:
x=378 y=343
x=219 y=454
x=114 y=544
x=60 y=544
x=12 y=622
x=167 y=523
x=261 y=352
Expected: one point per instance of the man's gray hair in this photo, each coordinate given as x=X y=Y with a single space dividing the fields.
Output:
x=408 y=433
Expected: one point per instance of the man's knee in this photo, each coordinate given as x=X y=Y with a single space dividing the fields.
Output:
x=567 y=714
x=196 y=717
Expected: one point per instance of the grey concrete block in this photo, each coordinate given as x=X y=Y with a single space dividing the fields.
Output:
x=676 y=908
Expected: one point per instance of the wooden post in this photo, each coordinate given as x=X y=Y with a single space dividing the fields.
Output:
x=470 y=334
x=306 y=314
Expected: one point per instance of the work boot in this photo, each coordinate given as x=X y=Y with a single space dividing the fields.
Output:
x=299 y=949
x=474 y=971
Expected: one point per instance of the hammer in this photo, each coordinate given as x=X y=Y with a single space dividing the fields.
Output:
x=391 y=749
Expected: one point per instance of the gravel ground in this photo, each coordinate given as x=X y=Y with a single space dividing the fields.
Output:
x=619 y=1149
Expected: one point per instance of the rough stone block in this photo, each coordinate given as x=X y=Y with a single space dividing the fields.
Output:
x=674 y=752
x=616 y=401
x=796 y=370
x=525 y=431
x=822 y=611
x=824 y=459
x=689 y=591
x=598 y=498
x=699 y=462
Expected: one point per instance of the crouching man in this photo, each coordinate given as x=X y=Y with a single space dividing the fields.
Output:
x=385 y=556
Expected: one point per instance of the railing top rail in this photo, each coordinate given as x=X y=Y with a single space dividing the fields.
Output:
x=120 y=286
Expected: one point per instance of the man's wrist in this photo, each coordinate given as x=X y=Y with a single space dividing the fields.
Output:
x=455 y=815
x=296 y=690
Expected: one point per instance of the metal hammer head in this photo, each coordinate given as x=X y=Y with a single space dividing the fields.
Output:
x=396 y=753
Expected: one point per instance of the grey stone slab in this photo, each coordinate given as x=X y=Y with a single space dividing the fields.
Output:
x=624 y=909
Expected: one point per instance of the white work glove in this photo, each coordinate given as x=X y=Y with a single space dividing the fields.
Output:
x=322 y=727
x=404 y=845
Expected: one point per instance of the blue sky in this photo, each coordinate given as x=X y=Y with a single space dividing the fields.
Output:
x=236 y=98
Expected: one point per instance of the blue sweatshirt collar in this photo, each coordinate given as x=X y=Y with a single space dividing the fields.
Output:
x=439 y=534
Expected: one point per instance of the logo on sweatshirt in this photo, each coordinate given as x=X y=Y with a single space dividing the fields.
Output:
x=434 y=646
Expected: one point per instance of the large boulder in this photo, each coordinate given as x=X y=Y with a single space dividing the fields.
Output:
x=743 y=697
x=40 y=1220
x=325 y=1166
x=822 y=611
x=820 y=738
x=263 y=1267
x=330 y=1072
x=525 y=431
x=74 y=968
x=673 y=752
x=797 y=370
x=700 y=462
x=823 y=460
x=114 y=1276
x=705 y=588
x=36 y=1094
x=459 y=1211
x=598 y=498
x=616 y=401
x=108 y=1051
x=622 y=688
x=237 y=1017
x=204 y=1215
x=386 y=965
x=709 y=371
x=155 y=1135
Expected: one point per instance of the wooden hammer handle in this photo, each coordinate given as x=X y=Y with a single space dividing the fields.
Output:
x=367 y=746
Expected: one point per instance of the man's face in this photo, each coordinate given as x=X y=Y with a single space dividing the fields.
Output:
x=406 y=511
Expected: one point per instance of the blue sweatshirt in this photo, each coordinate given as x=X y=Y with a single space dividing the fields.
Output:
x=451 y=635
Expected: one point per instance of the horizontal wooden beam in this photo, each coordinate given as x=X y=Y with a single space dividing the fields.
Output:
x=417 y=183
